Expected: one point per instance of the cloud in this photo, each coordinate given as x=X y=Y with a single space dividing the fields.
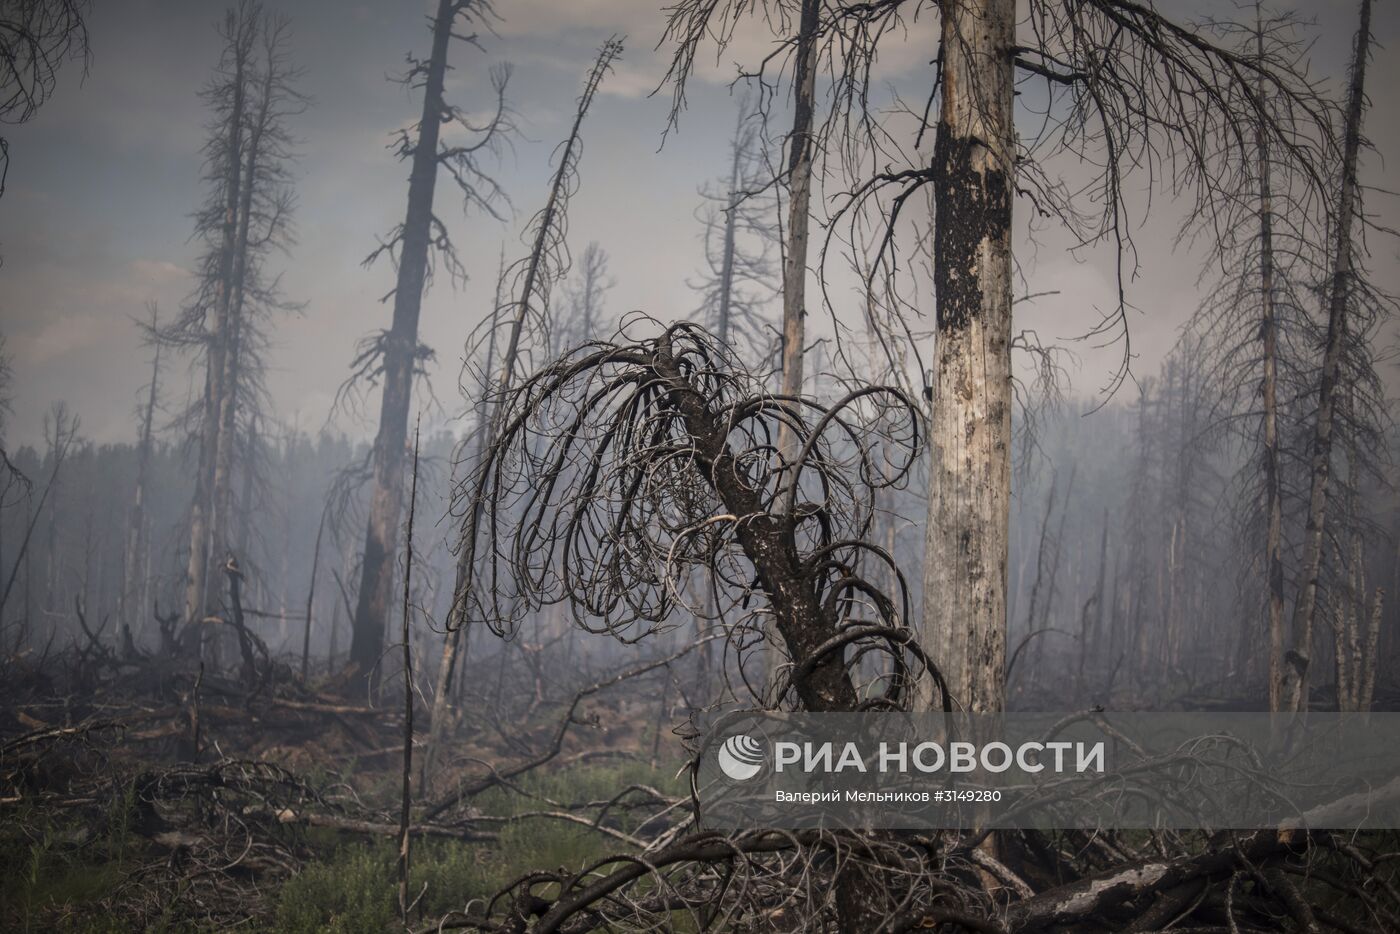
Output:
x=61 y=335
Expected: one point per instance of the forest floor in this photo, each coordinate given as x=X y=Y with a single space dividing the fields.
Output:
x=137 y=796
x=144 y=794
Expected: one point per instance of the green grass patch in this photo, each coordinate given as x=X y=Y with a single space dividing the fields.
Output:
x=57 y=865
x=353 y=890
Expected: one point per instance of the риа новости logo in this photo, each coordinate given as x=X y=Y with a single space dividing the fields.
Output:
x=741 y=757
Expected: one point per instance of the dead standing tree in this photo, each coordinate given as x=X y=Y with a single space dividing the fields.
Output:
x=801 y=145
x=663 y=470
x=136 y=555
x=533 y=278
x=739 y=233
x=246 y=217
x=395 y=355
x=1342 y=292
x=1121 y=89
x=35 y=38
x=587 y=300
x=217 y=224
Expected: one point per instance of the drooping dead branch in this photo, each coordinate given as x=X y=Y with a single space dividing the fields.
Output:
x=664 y=464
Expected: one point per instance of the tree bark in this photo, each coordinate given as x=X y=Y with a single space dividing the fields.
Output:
x=799 y=175
x=311 y=599
x=221 y=523
x=536 y=268
x=964 y=625
x=197 y=585
x=135 y=570
x=731 y=220
x=1268 y=336
x=400 y=351
x=405 y=637
x=1295 y=672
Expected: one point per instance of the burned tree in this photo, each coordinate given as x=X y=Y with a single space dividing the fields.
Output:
x=1121 y=88
x=394 y=356
x=217 y=223
x=36 y=37
x=738 y=278
x=532 y=279
x=583 y=320
x=965 y=546
x=136 y=555
x=662 y=466
x=246 y=218
x=1343 y=292
x=801 y=145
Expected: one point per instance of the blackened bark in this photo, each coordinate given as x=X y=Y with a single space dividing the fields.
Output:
x=1268 y=337
x=400 y=352
x=135 y=559
x=241 y=30
x=970 y=471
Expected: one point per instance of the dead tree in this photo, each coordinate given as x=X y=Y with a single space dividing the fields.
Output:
x=217 y=223
x=1340 y=297
x=135 y=556
x=246 y=217
x=662 y=469
x=532 y=280
x=1255 y=330
x=62 y=430
x=1128 y=90
x=966 y=538
x=36 y=37
x=801 y=146
x=264 y=213
x=394 y=356
x=405 y=637
x=311 y=598
x=584 y=320
x=738 y=278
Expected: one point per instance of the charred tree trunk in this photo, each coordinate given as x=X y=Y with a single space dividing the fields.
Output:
x=311 y=600
x=406 y=636
x=202 y=523
x=221 y=527
x=400 y=353
x=1273 y=487
x=135 y=561
x=970 y=435
x=731 y=223
x=532 y=284
x=1092 y=631
x=1299 y=656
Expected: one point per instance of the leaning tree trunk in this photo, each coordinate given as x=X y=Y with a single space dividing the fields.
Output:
x=534 y=281
x=1295 y=672
x=964 y=626
x=400 y=350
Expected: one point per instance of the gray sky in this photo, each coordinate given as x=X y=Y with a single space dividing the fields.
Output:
x=96 y=222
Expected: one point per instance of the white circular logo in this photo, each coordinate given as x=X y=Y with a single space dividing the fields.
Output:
x=741 y=757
